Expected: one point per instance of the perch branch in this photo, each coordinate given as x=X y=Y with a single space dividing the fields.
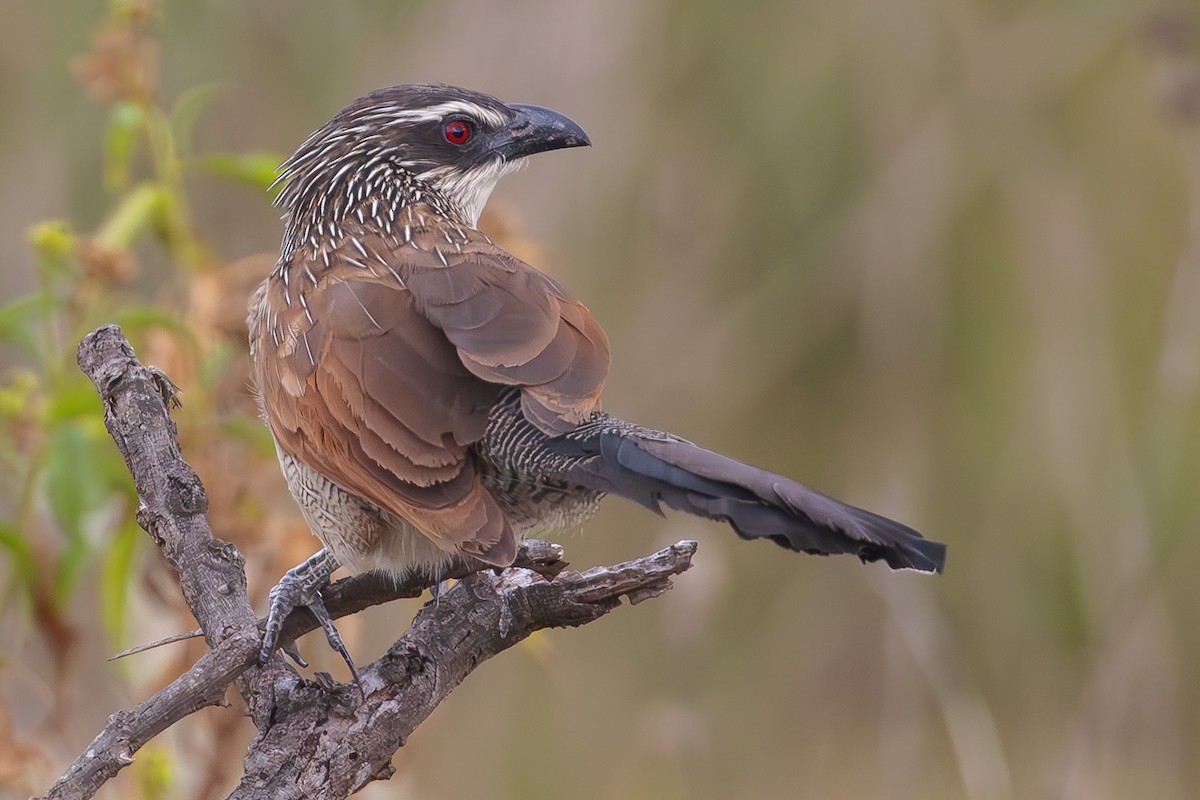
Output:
x=351 y=738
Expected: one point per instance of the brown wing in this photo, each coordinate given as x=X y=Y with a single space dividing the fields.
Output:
x=514 y=325
x=373 y=397
x=380 y=369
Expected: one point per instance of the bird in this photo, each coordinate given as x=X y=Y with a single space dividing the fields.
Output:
x=434 y=398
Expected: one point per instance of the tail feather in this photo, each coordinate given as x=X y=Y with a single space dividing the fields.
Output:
x=657 y=469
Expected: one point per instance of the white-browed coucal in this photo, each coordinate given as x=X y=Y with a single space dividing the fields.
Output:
x=431 y=396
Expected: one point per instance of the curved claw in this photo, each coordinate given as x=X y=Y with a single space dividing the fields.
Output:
x=317 y=606
x=293 y=652
x=301 y=586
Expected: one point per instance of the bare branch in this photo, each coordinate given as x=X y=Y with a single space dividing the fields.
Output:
x=350 y=743
x=351 y=738
x=113 y=748
x=174 y=506
x=157 y=643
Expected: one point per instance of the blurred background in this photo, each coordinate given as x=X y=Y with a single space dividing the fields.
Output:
x=939 y=258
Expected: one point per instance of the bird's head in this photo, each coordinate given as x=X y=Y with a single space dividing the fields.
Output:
x=438 y=144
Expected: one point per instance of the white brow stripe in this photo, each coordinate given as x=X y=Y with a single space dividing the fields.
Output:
x=442 y=110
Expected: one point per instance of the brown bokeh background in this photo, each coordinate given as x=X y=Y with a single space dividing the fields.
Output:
x=938 y=258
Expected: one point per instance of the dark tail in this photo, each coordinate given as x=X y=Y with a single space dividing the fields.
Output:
x=652 y=469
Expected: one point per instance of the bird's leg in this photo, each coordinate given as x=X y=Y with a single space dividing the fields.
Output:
x=301 y=586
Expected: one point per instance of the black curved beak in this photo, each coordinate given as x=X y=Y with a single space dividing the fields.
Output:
x=535 y=130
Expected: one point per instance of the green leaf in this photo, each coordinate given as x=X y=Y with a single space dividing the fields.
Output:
x=256 y=169
x=70 y=564
x=78 y=481
x=74 y=400
x=119 y=562
x=187 y=110
x=120 y=142
x=137 y=210
x=70 y=476
x=23 y=567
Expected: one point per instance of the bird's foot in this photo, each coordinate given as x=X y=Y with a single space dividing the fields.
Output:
x=301 y=586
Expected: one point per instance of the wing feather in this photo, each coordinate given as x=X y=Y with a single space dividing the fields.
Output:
x=381 y=376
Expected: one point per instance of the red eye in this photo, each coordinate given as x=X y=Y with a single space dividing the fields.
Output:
x=457 y=132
